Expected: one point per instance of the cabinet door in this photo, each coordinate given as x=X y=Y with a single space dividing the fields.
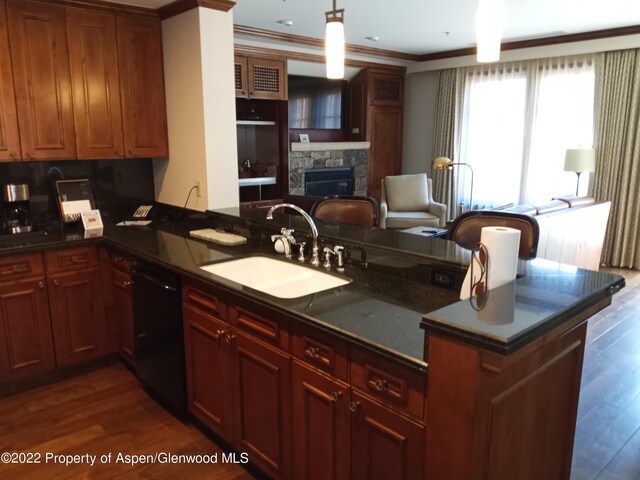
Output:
x=96 y=89
x=9 y=138
x=267 y=79
x=26 y=346
x=207 y=366
x=384 y=445
x=77 y=317
x=123 y=312
x=385 y=134
x=262 y=403
x=240 y=76
x=42 y=82
x=320 y=426
x=144 y=114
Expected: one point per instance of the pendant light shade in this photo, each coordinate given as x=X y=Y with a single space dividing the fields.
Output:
x=334 y=43
x=489 y=26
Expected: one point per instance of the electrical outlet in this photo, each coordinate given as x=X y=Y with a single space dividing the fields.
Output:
x=198 y=192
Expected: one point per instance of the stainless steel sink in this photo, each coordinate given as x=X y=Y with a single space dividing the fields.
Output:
x=276 y=277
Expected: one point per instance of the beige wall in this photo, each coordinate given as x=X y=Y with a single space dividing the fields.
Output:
x=198 y=69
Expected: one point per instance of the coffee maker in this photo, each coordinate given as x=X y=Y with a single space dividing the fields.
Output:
x=16 y=209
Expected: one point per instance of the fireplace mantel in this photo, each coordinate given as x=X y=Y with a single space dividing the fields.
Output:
x=327 y=146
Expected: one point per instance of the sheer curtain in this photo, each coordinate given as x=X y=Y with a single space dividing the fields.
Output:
x=518 y=120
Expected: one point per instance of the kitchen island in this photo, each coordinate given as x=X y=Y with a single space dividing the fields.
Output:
x=374 y=377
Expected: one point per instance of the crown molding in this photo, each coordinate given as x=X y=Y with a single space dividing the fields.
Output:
x=181 y=6
x=316 y=42
x=539 y=42
x=104 y=6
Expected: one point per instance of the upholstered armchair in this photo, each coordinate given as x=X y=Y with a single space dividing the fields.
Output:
x=406 y=201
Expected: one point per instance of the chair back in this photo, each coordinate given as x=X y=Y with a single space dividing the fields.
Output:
x=465 y=229
x=347 y=209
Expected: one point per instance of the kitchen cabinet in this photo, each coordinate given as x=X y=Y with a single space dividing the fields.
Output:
x=320 y=425
x=238 y=385
x=144 y=115
x=260 y=78
x=76 y=305
x=96 y=87
x=42 y=80
x=376 y=114
x=9 y=137
x=26 y=346
x=123 y=314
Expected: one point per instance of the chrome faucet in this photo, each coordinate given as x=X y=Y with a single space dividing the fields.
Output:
x=315 y=256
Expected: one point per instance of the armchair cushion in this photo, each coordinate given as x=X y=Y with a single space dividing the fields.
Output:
x=407 y=193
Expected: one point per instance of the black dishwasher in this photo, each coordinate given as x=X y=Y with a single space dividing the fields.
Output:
x=159 y=346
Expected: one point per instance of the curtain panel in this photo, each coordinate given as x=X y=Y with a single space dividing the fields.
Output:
x=617 y=143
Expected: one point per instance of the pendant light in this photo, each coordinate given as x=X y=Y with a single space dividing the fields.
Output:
x=489 y=26
x=334 y=42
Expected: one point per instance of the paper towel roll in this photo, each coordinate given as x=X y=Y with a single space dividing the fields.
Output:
x=502 y=244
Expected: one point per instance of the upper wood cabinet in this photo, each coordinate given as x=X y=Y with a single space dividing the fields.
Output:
x=260 y=78
x=38 y=40
x=9 y=138
x=96 y=87
x=144 y=114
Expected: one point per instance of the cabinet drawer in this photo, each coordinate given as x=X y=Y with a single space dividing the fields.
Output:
x=262 y=323
x=120 y=261
x=321 y=351
x=71 y=259
x=208 y=302
x=21 y=266
x=397 y=386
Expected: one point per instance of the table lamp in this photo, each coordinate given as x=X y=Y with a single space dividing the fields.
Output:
x=580 y=160
x=443 y=163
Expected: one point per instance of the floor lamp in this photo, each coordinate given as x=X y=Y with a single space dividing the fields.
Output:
x=444 y=163
x=579 y=160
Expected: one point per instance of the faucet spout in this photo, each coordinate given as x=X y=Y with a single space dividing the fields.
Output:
x=315 y=256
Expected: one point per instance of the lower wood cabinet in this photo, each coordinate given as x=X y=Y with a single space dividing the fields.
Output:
x=384 y=445
x=26 y=345
x=238 y=386
x=123 y=314
x=320 y=425
x=77 y=317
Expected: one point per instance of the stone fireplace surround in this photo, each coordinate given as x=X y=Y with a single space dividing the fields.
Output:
x=307 y=156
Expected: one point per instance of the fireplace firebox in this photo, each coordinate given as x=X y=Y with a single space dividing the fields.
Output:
x=321 y=182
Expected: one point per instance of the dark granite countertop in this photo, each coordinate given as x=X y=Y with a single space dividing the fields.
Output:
x=383 y=308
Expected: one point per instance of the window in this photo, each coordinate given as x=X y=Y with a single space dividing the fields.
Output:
x=517 y=122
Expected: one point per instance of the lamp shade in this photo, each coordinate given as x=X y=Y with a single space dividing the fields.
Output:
x=441 y=163
x=580 y=160
x=334 y=48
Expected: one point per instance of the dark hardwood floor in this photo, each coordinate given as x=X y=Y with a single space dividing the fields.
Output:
x=106 y=411
x=607 y=441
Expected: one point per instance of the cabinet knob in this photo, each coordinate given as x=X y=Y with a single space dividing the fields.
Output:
x=13 y=155
x=29 y=155
x=354 y=406
x=41 y=284
x=74 y=259
x=312 y=352
x=230 y=337
x=219 y=333
x=132 y=152
x=381 y=385
x=118 y=153
x=335 y=396
x=56 y=283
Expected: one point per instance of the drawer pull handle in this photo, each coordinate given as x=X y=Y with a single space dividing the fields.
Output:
x=41 y=284
x=229 y=337
x=312 y=352
x=219 y=333
x=354 y=406
x=124 y=285
x=117 y=259
x=381 y=385
x=56 y=283
x=335 y=396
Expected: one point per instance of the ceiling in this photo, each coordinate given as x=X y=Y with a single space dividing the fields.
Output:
x=429 y=26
